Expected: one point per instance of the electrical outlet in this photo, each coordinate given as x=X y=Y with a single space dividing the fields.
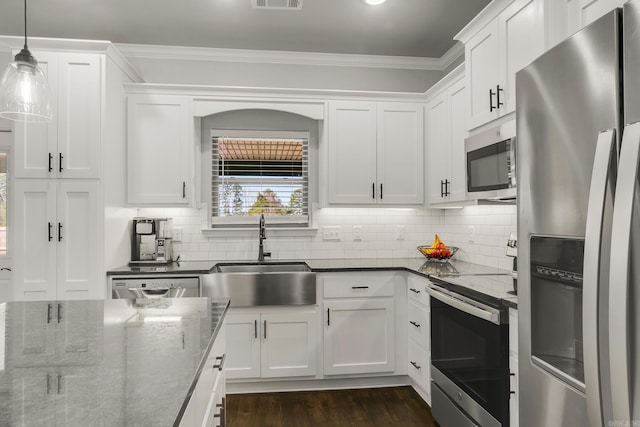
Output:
x=177 y=234
x=472 y=234
x=400 y=232
x=333 y=232
x=357 y=232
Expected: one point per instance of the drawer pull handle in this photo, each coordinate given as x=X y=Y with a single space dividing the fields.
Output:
x=416 y=324
x=359 y=287
x=415 y=365
x=328 y=317
x=220 y=366
x=414 y=290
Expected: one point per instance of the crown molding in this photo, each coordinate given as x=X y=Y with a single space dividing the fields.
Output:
x=481 y=20
x=281 y=57
x=74 y=45
x=268 y=94
x=444 y=83
x=450 y=56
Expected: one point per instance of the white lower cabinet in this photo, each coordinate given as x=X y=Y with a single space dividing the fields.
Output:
x=359 y=336
x=513 y=369
x=206 y=408
x=272 y=342
x=419 y=324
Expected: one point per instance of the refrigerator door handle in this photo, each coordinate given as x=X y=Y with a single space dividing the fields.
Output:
x=594 y=267
x=619 y=279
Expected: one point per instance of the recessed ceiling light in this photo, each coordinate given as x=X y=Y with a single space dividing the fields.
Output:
x=374 y=2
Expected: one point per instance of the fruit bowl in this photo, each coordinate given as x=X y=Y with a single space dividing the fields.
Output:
x=442 y=254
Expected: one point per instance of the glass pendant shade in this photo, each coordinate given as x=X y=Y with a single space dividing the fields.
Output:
x=24 y=91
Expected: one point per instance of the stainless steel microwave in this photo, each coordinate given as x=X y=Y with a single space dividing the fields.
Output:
x=491 y=163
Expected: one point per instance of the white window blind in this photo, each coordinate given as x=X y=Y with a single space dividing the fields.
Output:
x=253 y=176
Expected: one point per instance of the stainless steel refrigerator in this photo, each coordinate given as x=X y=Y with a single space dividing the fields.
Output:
x=578 y=113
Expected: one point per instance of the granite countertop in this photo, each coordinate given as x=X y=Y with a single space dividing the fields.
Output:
x=490 y=281
x=107 y=363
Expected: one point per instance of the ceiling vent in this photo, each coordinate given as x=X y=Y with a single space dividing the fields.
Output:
x=277 y=4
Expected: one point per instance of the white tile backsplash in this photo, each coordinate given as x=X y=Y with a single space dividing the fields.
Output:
x=379 y=232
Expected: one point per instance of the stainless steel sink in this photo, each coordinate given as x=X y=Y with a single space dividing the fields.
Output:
x=262 y=268
x=262 y=284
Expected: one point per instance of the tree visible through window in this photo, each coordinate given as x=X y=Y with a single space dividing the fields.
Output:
x=253 y=176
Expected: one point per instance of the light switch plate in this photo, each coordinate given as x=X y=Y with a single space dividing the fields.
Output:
x=177 y=234
x=331 y=232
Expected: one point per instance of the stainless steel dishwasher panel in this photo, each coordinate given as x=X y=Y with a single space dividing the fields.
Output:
x=262 y=288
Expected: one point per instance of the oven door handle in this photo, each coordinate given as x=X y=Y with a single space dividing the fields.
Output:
x=487 y=313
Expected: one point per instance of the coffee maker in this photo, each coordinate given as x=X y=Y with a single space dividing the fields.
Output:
x=150 y=241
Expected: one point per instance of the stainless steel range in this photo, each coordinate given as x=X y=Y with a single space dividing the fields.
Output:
x=469 y=355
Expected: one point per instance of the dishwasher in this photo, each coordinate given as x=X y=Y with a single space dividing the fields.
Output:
x=155 y=286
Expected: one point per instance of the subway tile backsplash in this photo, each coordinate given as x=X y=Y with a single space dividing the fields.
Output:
x=480 y=232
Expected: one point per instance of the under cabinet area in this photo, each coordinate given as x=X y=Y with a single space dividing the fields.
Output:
x=160 y=150
x=57 y=235
x=271 y=342
x=70 y=145
x=376 y=153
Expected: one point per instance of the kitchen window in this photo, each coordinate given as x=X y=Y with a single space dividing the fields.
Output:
x=260 y=173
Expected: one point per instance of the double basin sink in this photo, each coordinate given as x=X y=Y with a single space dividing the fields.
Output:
x=259 y=284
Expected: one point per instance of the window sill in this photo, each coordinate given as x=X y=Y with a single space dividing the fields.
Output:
x=275 y=232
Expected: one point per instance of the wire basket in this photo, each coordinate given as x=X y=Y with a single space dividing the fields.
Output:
x=438 y=254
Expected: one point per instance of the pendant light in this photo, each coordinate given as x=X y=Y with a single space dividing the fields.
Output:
x=24 y=92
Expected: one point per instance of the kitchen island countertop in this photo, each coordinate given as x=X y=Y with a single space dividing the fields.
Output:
x=103 y=363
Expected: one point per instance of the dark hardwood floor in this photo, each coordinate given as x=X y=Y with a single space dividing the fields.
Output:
x=392 y=406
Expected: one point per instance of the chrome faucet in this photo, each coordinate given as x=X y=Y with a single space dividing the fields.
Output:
x=262 y=236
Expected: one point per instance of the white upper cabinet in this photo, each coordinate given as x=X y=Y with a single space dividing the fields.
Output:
x=447 y=115
x=376 y=153
x=495 y=52
x=352 y=152
x=70 y=145
x=400 y=153
x=580 y=13
x=159 y=150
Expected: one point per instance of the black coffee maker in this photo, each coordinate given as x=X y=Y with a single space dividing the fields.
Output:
x=150 y=241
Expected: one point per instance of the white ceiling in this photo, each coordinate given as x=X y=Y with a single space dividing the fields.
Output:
x=418 y=28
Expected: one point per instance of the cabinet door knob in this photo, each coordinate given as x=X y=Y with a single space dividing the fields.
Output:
x=373 y=190
x=60 y=157
x=380 y=191
x=416 y=324
x=328 y=317
x=50 y=164
x=415 y=365
x=50 y=229
x=59 y=232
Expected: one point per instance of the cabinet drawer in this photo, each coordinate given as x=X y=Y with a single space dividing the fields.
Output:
x=415 y=289
x=358 y=286
x=418 y=323
x=419 y=367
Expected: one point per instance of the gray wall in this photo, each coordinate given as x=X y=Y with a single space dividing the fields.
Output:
x=194 y=72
